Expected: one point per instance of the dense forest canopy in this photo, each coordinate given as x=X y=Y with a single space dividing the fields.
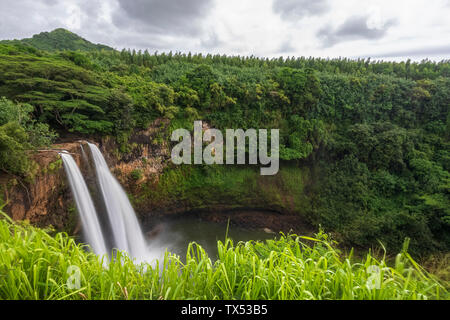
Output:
x=377 y=132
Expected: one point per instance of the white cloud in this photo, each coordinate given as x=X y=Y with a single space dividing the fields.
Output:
x=259 y=27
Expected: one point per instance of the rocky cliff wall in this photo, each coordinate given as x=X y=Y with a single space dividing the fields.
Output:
x=157 y=188
x=43 y=198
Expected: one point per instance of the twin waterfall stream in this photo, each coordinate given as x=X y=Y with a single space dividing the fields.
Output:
x=123 y=231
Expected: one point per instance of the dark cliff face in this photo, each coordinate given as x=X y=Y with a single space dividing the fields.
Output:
x=158 y=188
x=44 y=198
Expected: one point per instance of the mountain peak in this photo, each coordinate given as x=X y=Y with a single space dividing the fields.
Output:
x=58 y=40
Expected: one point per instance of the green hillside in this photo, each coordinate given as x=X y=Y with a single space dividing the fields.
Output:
x=59 y=39
x=373 y=134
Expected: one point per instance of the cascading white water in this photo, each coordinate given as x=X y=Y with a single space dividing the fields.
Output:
x=127 y=233
x=86 y=209
x=83 y=153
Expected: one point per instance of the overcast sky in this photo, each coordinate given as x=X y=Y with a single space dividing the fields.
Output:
x=387 y=29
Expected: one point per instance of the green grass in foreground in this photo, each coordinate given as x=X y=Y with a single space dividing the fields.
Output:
x=34 y=264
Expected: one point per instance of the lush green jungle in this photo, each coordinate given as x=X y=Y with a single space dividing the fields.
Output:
x=372 y=135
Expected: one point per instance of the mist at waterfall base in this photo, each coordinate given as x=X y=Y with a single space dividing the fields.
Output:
x=122 y=230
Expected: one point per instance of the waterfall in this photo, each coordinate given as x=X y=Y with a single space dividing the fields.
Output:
x=91 y=226
x=126 y=231
x=83 y=154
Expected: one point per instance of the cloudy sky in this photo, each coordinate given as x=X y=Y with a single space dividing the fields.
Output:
x=386 y=29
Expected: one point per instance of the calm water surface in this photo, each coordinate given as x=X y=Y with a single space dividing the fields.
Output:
x=176 y=234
